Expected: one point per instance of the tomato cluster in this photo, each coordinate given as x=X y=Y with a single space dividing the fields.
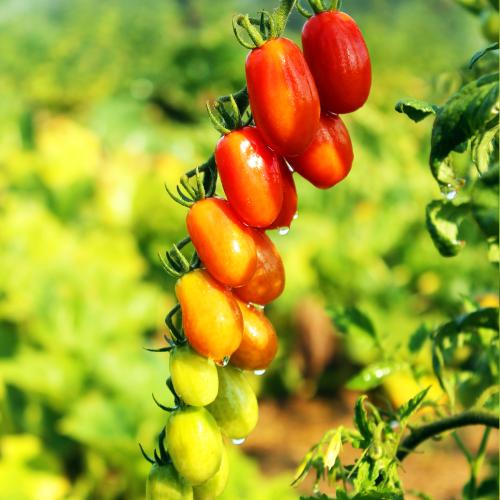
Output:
x=295 y=99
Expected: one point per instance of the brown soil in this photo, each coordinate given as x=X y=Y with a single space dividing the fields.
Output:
x=287 y=429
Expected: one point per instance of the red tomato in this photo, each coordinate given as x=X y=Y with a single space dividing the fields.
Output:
x=283 y=95
x=211 y=317
x=268 y=281
x=250 y=175
x=225 y=246
x=259 y=343
x=339 y=61
x=289 y=207
x=328 y=159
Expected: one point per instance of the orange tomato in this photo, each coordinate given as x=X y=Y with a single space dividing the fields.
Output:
x=211 y=318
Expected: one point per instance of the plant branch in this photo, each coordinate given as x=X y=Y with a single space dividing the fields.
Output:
x=421 y=434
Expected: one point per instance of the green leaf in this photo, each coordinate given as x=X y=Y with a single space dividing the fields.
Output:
x=352 y=316
x=333 y=450
x=361 y=419
x=484 y=203
x=418 y=338
x=484 y=150
x=373 y=375
x=442 y=220
x=469 y=112
x=320 y=497
x=481 y=53
x=405 y=411
x=416 y=109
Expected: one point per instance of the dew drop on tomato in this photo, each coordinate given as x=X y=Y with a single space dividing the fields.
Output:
x=259 y=372
x=283 y=230
x=238 y=441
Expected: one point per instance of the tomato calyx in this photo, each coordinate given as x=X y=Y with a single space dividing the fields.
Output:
x=225 y=121
x=161 y=457
x=318 y=7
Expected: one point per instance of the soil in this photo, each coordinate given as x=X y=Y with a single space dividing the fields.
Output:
x=287 y=429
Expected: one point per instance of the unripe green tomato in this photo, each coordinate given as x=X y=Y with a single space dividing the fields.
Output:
x=216 y=484
x=194 y=443
x=490 y=25
x=164 y=483
x=194 y=377
x=235 y=408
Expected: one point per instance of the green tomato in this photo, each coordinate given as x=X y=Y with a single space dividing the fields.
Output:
x=216 y=484
x=194 y=443
x=235 y=408
x=194 y=377
x=490 y=25
x=164 y=483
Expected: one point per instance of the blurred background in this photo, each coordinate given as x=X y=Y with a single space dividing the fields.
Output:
x=101 y=104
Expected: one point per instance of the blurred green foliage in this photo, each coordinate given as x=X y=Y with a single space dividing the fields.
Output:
x=102 y=102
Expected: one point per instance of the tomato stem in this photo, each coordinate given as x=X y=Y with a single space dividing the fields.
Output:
x=421 y=434
x=252 y=31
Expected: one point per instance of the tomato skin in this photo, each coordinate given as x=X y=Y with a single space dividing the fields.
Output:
x=216 y=484
x=194 y=377
x=235 y=408
x=211 y=317
x=251 y=177
x=194 y=443
x=224 y=244
x=268 y=282
x=339 y=61
x=259 y=343
x=283 y=95
x=290 y=200
x=164 y=483
x=328 y=159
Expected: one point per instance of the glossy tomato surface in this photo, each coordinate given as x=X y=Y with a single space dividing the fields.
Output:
x=337 y=55
x=290 y=200
x=211 y=317
x=235 y=408
x=216 y=484
x=224 y=244
x=164 y=482
x=194 y=376
x=328 y=159
x=268 y=281
x=250 y=175
x=194 y=444
x=259 y=343
x=283 y=95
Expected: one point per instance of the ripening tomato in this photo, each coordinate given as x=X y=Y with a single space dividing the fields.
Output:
x=259 y=343
x=328 y=159
x=289 y=207
x=268 y=281
x=250 y=175
x=211 y=317
x=194 y=377
x=224 y=244
x=216 y=484
x=235 y=408
x=283 y=95
x=165 y=483
x=194 y=443
x=339 y=61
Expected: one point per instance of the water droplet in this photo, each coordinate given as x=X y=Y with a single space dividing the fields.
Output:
x=449 y=192
x=296 y=215
x=238 y=441
x=283 y=230
x=223 y=362
x=259 y=372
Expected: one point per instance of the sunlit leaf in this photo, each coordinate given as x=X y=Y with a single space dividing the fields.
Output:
x=411 y=406
x=333 y=450
x=373 y=375
x=416 y=109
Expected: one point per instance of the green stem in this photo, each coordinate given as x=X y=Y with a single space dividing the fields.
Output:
x=421 y=434
x=281 y=14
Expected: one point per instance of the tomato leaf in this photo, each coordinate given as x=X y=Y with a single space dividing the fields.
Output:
x=416 y=109
x=361 y=420
x=418 y=338
x=443 y=219
x=405 y=411
x=352 y=316
x=481 y=53
x=333 y=450
x=469 y=112
x=373 y=375
x=485 y=203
